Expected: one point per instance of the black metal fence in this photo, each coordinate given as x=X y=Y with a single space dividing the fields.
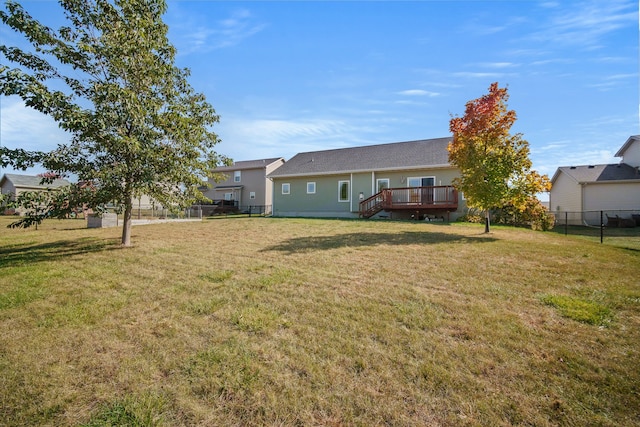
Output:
x=204 y=210
x=602 y=223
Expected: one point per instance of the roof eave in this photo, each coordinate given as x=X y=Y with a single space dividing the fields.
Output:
x=344 y=172
x=555 y=176
x=626 y=145
x=612 y=181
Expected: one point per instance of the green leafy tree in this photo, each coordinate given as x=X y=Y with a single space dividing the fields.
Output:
x=109 y=78
x=494 y=165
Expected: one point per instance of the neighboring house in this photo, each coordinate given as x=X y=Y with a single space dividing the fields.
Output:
x=14 y=184
x=146 y=202
x=403 y=180
x=246 y=184
x=578 y=192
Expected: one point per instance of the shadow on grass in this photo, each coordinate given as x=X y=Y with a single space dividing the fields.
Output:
x=13 y=255
x=302 y=244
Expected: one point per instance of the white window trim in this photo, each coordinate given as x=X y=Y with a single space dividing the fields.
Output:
x=237 y=176
x=252 y=195
x=288 y=185
x=314 y=187
x=378 y=183
x=348 y=199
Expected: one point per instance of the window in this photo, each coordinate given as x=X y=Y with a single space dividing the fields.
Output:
x=381 y=184
x=311 y=188
x=252 y=195
x=228 y=196
x=421 y=195
x=237 y=176
x=423 y=181
x=343 y=191
x=286 y=188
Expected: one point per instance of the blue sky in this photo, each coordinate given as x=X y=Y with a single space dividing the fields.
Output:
x=295 y=76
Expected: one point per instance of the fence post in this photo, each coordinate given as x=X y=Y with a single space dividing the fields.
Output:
x=601 y=226
x=566 y=223
x=250 y=211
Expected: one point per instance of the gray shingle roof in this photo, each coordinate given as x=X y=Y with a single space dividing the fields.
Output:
x=32 y=181
x=601 y=173
x=247 y=164
x=398 y=155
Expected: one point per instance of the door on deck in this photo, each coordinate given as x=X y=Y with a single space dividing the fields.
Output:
x=421 y=195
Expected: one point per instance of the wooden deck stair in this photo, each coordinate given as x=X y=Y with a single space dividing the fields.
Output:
x=434 y=199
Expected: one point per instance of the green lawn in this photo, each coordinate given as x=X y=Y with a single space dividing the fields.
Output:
x=296 y=322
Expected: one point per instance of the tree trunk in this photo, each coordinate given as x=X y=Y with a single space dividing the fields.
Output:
x=487 y=221
x=126 y=224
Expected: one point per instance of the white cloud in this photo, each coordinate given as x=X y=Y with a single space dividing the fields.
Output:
x=23 y=127
x=610 y=82
x=585 y=24
x=479 y=75
x=498 y=65
x=418 y=92
x=278 y=137
x=193 y=36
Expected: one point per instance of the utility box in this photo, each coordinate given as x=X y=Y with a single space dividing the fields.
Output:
x=105 y=220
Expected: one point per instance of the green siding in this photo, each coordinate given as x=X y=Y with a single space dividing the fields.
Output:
x=325 y=201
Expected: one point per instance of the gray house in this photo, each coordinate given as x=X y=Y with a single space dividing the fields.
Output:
x=246 y=184
x=13 y=184
x=400 y=180
x=578 y=191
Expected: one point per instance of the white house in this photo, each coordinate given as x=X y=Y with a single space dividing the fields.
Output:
x=579 y=192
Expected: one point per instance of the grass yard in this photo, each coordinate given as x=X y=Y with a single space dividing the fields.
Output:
x=296 y=322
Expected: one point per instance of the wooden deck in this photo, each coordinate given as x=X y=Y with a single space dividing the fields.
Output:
x=435 y=199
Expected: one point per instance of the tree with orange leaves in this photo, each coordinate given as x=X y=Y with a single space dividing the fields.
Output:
x=494 y=165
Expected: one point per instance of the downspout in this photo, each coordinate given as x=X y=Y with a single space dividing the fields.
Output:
x=373 y=183
x=273 y=197
x=351 y=190
x=582 y=186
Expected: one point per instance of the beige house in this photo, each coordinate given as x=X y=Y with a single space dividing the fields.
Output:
x=13 y=184
x=579 y=193
x=246 y=184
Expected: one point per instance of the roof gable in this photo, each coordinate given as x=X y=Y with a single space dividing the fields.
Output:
x=248 y=164
x=627 y=144
x=32 y=181
x=599 y=173
x=398 y=155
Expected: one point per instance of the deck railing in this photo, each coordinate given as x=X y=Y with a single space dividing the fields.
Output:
x=444 y=197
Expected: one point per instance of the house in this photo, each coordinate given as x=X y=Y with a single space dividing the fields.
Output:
x=13 y=184
x=400 y=180
x=246 y=185
x=579 y=193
